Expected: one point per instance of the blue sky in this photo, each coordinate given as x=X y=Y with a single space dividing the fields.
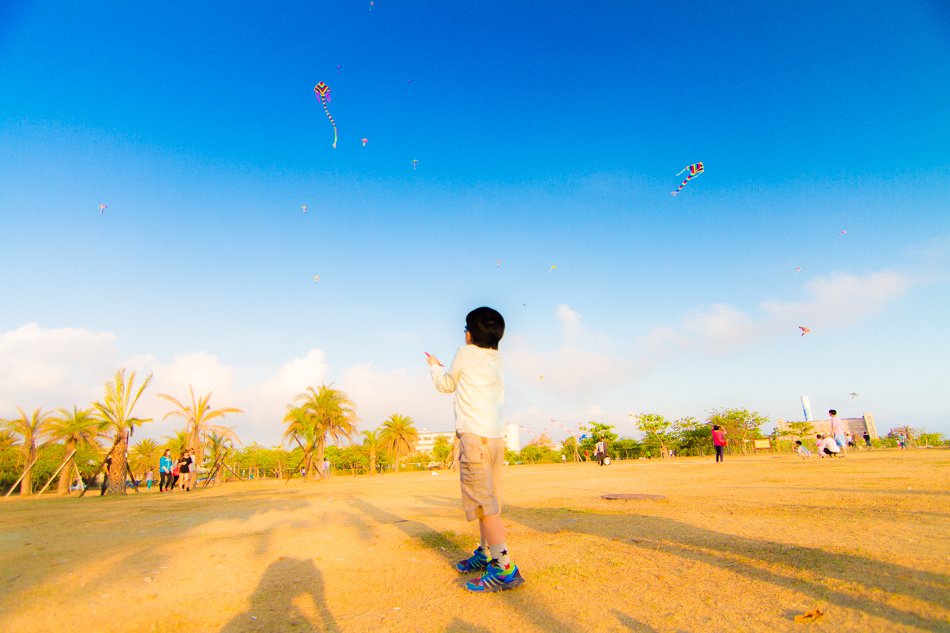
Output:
x=546 y=134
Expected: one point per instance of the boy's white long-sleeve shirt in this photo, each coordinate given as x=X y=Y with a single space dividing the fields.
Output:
x=477 y=379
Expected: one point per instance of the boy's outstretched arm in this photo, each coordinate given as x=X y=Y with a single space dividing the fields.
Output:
x=444 y=381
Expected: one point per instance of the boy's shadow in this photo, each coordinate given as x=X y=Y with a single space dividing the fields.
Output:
x=273 y=605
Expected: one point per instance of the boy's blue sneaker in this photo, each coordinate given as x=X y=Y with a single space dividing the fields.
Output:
x=495 y=578
x=477 y=561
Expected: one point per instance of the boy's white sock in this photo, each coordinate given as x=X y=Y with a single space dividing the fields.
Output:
x=500 y=553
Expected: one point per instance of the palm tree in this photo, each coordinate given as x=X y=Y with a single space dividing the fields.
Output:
x=32 y=430
x=144 y=454
x=219 y=446
x=198 y=418
x=176 y=443
x=371 y=443
x=319 y=414
x=398 y=436
x=77 y=428
x=7 y=438
x=116 y=411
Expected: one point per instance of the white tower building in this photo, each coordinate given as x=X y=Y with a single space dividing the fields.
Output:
x=806 y=408
x=512 y=438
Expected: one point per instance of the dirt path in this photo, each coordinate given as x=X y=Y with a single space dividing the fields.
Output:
x=744 y=545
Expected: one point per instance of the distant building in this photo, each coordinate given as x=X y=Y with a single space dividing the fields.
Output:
x=857 y=426
x=427 y=440
x=512 y=438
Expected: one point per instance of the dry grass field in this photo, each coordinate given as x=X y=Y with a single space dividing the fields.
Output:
x=741 y=546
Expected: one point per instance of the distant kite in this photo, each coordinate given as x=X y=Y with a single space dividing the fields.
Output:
x=694 y=171
x=322 y=92
x=102 y=207
x=364 y=141
x=854 y=395
x=415 y=164
x=798 y=269
x=316 y=279
x=303 y=207
x=552 y=268
x=843 y=233
x=805 y=330
x=498 y=263
x=371 y=5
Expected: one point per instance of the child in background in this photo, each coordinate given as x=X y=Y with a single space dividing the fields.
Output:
x=801 y=450
x=477 y=381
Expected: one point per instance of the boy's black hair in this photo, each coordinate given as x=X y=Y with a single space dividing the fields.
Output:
x=715 y=427
x=486 y=326
x=832 y=412
x=798 y=442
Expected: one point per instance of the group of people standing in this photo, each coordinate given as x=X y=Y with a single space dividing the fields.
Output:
x=180 y=472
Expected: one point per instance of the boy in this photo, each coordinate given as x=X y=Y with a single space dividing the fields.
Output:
x=801 y=450
x=479 y=386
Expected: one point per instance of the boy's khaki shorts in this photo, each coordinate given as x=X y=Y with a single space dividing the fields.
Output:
x=480 y=462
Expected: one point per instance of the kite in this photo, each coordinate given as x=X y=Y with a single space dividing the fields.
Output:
x=843 y=233
x=805 y=330
x=316 y=279
x=694 y=171
x=364 y=141
x=415 y=164
x=498 y=263
x=854 y=395
x=304 y=208
x=322 y=92
x=552 y=268
x=371 y=5
x=798 y=269
x=102 y=207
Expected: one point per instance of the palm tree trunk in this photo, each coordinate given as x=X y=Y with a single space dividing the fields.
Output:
x=26 y=485
x=117 y=469
x=66 y=474
x=321 y=453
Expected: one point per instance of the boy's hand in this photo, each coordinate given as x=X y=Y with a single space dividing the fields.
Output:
x=432 y=360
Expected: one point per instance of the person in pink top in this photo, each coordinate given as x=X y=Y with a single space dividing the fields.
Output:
x=719 y=441
x=837 y=431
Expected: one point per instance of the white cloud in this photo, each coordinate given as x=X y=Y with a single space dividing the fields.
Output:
x=832 y=302
x=52 y=367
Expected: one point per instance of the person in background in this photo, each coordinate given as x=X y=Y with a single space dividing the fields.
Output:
x=803 y=452
x=149 y=478
x=837 y=432
x=106 y=465
x=719 y=442
x=326 y=467
x=184 y=470
x=600 y=452
x=867 y=440
x=165 y=471
x=176 y=474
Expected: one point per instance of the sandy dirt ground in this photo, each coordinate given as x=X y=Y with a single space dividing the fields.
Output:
x=745 y=545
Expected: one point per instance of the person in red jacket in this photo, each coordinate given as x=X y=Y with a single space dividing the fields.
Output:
x=719 y=441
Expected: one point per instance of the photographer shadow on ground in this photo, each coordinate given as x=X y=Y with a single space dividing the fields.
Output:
x=289 y=597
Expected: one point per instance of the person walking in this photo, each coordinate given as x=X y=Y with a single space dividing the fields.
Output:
x=867 y=440
x=600 y=451
x=184 y=470
x=149 y=478
x=165 y=471
x=719 y=442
